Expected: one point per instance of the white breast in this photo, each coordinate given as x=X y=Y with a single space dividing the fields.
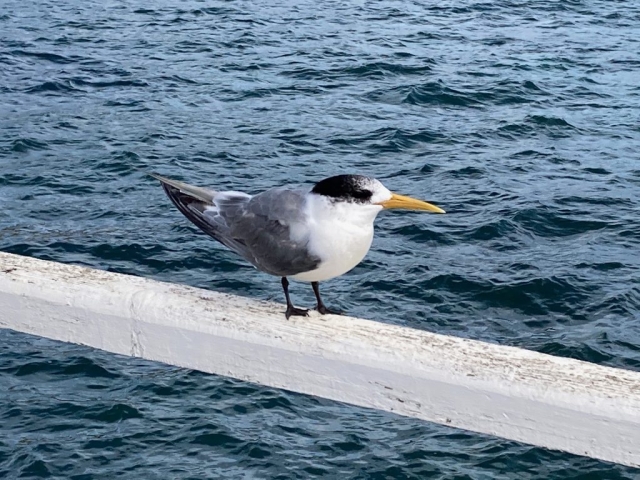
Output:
x=339 y=233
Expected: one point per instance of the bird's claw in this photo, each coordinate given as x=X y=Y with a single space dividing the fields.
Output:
x=296 y=312
x=326 y=311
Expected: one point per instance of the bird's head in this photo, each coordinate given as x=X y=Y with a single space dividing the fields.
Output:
x=366 y=191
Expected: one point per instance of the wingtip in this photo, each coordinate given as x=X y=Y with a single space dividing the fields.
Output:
x=156 y=176
x=164 y=180
x=197 y=192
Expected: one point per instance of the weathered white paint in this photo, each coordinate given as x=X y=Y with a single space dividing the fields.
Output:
x=538 y=399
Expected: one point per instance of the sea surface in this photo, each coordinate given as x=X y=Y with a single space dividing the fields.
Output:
x=520 y=118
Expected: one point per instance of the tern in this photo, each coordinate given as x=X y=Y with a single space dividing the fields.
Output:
x=308 y=234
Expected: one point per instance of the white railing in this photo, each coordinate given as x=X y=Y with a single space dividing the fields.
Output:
x=512 y=393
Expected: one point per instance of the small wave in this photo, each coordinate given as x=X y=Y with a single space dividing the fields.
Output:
x=432 y=93
x=548 y=121
x=623 y=304
x=112 y=83
x=244 y=67
x=105 y=443
x=374 y=69
x=23 y=145
x=582 y=352
x=117 y=252
x=466 y=172
x=545 y=222
x=420 y=234
x=51 y=57
x=218 y=11
x=532 y=154
x=214 y=436
x=603 y=267
x=597 y=171
x=593 y=201
x=539 y=296
x=189 y=46
x=61 y=87
x=101 y=413
x=390 y=139
x=558 y=160
x=291 y=90
x=583 y=93
x=533 y=125
x=136 y=105
x=509 y=92
x=78 y=366
x=498 y=229
x=34 y=468
x=179 y=79
x=436 y=93
x=122 y=162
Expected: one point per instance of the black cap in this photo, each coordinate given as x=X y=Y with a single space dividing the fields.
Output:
x=353 y=188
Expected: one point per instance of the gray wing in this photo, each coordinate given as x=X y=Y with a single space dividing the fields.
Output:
x=265 y=226
x=258 y=228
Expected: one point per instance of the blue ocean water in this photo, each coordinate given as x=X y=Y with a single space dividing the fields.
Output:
x=521 y=119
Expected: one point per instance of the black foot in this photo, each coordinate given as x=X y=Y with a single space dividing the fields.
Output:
x=296 y=312
x=320 y=305
x=326 y=311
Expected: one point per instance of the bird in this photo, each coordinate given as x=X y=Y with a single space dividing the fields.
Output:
x=310 y=234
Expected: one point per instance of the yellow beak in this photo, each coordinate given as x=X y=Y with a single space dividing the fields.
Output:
x=408 y=203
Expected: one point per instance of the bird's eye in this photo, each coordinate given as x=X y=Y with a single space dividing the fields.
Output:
x=362 y=194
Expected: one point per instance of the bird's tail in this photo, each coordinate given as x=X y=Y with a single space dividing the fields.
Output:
x=199 y=205
x=191 y=201
x=198 y=193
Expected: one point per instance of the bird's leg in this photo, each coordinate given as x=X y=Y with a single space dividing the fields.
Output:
x=320 y=307
x=291 y=310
